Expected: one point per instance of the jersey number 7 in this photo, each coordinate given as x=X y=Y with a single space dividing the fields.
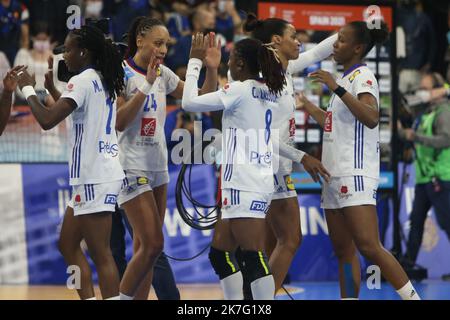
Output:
x=109 y=104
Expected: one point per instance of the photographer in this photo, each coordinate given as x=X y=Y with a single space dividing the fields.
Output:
x=432 y=148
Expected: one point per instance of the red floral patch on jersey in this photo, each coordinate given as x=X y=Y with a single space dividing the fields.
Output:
x=225 y=201
x=77 y=198
x=70 y=86
x=148 y=127
x=328 y=127
x=344 y=189
x=292 y=127
x=369 y=82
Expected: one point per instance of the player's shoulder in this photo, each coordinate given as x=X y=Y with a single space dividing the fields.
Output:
x=361 y=74
x=234 y=86
x=81 y=80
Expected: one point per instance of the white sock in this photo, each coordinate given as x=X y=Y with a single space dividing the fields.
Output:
x=407 y=292
x=93 y=298
x=232 y=286
x=113 y=298
x=125 y=297
x=263 y=288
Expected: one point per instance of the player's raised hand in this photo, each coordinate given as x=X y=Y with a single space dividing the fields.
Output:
x=199 y=46
x=11 y=78
x=213 y=52
x=300 y=101
x=25 y=79
x=325 y=78
x=48 y=82
x=153 y=68
x=315 y=168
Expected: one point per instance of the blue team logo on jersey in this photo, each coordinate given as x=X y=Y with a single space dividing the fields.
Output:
x=107 y=148
x=111 y=199
x=128 y=73
x=258 y=206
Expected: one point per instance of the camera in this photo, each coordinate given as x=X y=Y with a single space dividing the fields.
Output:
x=64 y=74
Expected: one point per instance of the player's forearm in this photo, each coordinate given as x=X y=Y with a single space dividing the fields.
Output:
x=44 y=116
x=5 y=108
x=128 y=111
x=320 y=52
x=363 y=112
x=317 y=113
x=288 y=152
x=210 y=83
x=54 y=93
x=191 y=101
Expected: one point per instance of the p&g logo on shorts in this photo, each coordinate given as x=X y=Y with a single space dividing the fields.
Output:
x=258 y=206
x=111 y=199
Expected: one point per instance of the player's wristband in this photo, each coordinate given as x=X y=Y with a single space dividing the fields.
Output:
x=194 y=67
x=145 y=87
x=339 y=91
x=28 y=91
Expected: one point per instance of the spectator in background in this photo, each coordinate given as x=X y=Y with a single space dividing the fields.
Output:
x=14 y=28
x=53 y=13
x=93 y=9
x=177 y=59
x=420 y=44
x=37 y=58
x=432 y=146
x=228 y=19
x=178 y=55
x=178 y=22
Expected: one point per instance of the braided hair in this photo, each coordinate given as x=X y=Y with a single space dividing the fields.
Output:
x=105 y=57
x=263 y=30
x=139 y=26
x=267 y=62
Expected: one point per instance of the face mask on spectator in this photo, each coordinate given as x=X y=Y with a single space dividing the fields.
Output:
x=94 y=8
x=221 y=5
x=41 y=45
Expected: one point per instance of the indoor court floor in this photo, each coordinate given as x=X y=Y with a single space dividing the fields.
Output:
x=428 y=289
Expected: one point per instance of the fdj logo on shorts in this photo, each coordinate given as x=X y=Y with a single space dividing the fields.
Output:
x=109 y=149
x=258 y=206
x=111 y=199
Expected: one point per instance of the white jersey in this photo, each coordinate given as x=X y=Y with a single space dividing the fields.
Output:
x=143 y=143
x=349 y=147
x=249 y=109
x=94 y=156
x=284 y=120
